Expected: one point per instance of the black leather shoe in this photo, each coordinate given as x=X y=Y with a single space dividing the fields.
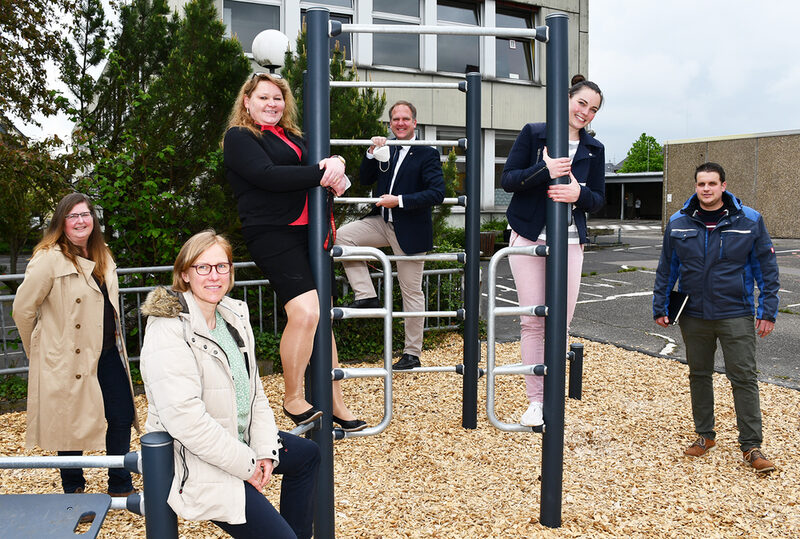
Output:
x=306 y=417
x=366 y=303
x=354 y=425
x=406 y=362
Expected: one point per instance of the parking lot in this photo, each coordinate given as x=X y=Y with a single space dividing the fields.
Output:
x=615 y=301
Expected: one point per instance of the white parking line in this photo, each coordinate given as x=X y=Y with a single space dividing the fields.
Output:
x=615 y=281
x=618 y=296
x=670 y=346
x=498 y=298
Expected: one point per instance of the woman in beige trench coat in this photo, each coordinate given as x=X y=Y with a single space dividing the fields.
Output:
x=80 y=395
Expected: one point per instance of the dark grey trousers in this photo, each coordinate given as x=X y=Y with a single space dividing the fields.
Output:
x=737 y=337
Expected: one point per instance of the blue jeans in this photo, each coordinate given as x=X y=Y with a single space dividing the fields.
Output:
x=299 y=465
x=118 y=408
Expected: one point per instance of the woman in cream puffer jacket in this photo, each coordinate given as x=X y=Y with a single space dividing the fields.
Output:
x=226 y=440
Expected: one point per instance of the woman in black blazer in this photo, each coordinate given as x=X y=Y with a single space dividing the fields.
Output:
x=527 y=174
x=266 y=165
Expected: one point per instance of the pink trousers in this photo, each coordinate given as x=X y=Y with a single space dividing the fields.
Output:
x=529 y=276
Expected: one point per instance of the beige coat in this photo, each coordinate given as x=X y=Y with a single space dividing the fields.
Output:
x=59 y=314
x=190 y=395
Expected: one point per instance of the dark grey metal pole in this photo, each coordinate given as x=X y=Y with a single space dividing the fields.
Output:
x=160 y=520
x=556 y=278
x=317 y=122
x=575 y=371
x=472 y=345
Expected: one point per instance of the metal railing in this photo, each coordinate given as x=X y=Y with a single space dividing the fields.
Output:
x=443 y=288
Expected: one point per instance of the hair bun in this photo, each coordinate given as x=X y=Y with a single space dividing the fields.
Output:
x=576 y=79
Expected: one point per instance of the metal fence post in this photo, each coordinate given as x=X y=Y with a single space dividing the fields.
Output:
x=472 y=349
x=317 y=102
x=157 y=472
x=555 y=276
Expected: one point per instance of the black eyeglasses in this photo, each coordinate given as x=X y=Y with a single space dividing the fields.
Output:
x=204 y=269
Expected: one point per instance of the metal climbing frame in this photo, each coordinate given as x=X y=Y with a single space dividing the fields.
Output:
x=317 y=95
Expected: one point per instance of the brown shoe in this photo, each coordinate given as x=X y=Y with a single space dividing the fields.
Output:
x=755 y=458
x=700 y=447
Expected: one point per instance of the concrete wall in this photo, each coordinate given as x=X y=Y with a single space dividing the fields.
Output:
x=761 y=169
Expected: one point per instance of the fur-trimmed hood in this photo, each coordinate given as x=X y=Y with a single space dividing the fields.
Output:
x=164 y=302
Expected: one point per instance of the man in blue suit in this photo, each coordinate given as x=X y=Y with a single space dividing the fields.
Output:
x=408 y=185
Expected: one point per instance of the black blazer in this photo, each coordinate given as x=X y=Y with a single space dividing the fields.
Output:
x=421 y=183
x=526 y=175
x=269 y=181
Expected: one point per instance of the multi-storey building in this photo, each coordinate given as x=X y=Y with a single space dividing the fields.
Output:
x=513 y=71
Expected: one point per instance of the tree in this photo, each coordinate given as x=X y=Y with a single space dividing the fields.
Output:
x=32 y=183
x=164 y=101
x=646 y=155
x=28 y=39
x=83 y=49
x=355 y=113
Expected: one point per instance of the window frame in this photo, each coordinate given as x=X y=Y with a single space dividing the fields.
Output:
x=229 y=31
x=531 y=14
x=399 y=19
x=480 y=16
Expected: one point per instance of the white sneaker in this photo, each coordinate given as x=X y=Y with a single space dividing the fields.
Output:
x=533 y=415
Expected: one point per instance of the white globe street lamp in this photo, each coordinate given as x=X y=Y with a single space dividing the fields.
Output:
x=269 y=48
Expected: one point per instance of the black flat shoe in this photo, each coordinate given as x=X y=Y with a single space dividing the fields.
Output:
x=406 y=362
x=367 y=303
x=354 y=425
x=306 y=417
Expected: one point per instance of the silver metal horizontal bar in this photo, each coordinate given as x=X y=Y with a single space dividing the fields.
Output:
x=519 y=368
x=299 y=430
x=392 y=84
x=424 y=314
x=364 y=372
x=393 y=142
x=539 y=33
x=356 y=313
x=100 y=461
x=455 y=201
x=530 y=310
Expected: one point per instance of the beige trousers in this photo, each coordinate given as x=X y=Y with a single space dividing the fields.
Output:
x=373 y=231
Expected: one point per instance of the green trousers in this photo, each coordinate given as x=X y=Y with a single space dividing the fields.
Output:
x=738 y=340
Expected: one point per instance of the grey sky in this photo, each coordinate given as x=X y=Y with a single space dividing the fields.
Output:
x=681 y=69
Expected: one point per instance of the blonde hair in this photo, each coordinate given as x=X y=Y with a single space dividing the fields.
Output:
x=191 y=251
x=240 y=116
x=97 y=250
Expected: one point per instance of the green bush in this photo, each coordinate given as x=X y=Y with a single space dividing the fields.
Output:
x=494 y=224
x=13 y=388
x=268 y=348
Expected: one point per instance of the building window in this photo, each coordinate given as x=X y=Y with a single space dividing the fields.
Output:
x=400 y=50
x=503 y=141
x=342 y=11
x=457 y=54
x=514 y=56
x=245 y=20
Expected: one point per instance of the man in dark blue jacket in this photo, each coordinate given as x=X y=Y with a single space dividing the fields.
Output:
x=717 y=248
x=409 y=184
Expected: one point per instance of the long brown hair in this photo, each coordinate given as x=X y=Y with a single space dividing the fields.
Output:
x=54 y=235
x=240 y=117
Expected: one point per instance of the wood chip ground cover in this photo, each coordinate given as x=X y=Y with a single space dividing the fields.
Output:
x=624 y=472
